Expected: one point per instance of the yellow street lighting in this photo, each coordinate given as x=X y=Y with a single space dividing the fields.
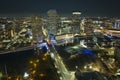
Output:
x=37 y=60
x=31 y=79
x=31 y=62
x=17 y=78
x=33 y=72
x=43 y=59
x=35 y=65
x=9 y=77
x=46 y=54
x=41 y=74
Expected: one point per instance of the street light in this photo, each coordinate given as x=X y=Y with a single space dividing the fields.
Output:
x=41 y=74
x=26 y=75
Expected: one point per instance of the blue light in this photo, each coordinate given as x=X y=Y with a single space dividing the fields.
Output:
x=52 y=37
x=52 y=40
x=109 y=35
x=43 y=46
x=88 y=52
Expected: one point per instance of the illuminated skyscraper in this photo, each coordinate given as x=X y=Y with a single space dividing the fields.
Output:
x=37 y=24
x=76 y=22
x=53 y=21
x=117 y=24
x=66 y=25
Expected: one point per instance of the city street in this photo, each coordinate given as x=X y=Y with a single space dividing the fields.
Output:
x=59 y=40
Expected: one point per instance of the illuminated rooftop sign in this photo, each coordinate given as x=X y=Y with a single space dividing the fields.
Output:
x=76 y=13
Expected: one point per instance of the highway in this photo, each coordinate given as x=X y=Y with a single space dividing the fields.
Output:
x=61 y=67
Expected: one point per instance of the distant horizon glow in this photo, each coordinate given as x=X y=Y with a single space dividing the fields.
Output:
x=86 y=7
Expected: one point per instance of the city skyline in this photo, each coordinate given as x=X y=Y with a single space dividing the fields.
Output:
x=87 y=7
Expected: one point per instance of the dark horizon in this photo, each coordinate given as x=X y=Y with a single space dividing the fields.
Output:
x=107 y=8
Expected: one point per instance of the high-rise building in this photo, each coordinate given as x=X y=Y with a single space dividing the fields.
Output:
x=53 y=21
x=117 y=24
x=76 y=22
x=66 y=25
x=37 y=24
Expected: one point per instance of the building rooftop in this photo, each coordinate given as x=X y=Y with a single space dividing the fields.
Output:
x=74 y=59
x=89 y=76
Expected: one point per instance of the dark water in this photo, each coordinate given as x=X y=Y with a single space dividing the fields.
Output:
x=15 y=63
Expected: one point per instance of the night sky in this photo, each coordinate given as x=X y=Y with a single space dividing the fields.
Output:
x=87 y=7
